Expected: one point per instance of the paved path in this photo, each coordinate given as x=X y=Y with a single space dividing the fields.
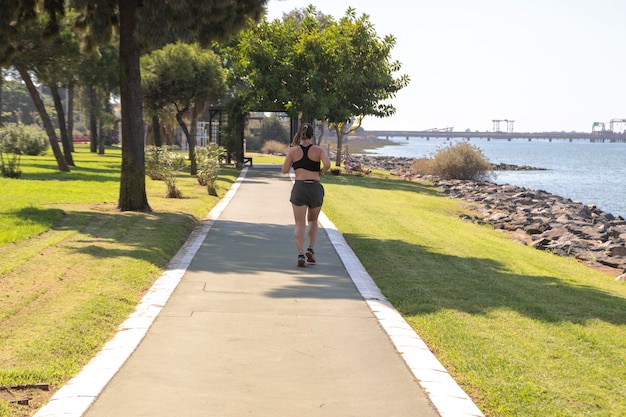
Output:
x=234 y=329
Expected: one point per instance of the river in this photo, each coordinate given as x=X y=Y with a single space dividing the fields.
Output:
x=591 y=173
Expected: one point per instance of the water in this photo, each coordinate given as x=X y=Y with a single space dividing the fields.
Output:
x=591 y=173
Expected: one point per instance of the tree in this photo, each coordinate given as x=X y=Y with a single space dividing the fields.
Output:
x=365 y=75
x=56 y=66
x=17 y=104
x=98 y=74
x=315 y=67
x=147 y=25
x=44 y=60
x=141 y=25
x=185 y=77
x=273 y=129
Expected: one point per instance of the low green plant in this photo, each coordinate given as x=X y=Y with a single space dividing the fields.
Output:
x=461 y=161
x=10 y=164
x=162 y=164
x=23 y=139
x=208 y=165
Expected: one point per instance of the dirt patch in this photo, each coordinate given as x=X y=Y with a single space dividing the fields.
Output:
x=24 y=400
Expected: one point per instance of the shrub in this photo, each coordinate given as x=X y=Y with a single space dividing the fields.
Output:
x=274 y=147
x=23 y=139
x=421 y=166
x=161 y=164
x=461 y=161
x=10 y=167
x=208 y=164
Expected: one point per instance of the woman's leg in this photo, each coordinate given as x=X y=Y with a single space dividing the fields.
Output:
x=299 y=214
x=313 y=225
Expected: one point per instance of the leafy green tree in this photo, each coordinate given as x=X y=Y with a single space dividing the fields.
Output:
x=142 y=25
x=273 y=129
x=17 y=105
x=34 y=63
x=365 y=79
x=185 y=77
x=316 y=67
x=57 y=62
x=98 y=74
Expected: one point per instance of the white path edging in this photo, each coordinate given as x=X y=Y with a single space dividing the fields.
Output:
x=76 y=396
x=446 y=395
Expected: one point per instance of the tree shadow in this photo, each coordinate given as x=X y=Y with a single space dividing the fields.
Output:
x=477 y=286
x=103 y=233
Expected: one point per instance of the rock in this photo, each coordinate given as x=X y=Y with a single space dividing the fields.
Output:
x=553 y=223
x=616 y=251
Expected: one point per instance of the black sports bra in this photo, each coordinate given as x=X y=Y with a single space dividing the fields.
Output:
x=305 y=162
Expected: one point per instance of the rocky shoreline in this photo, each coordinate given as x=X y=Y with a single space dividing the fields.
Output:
x=402 y=165
x=537 y=218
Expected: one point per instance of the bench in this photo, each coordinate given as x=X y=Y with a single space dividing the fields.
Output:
x=247 y=160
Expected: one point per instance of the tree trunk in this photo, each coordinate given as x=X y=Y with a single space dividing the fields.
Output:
x=106 y=129
x=156 y=131
x=65 y=140
x=196 y=109
x=340 y=134
x=133 y=174
x=101 y=137
x=1 y=85
x=94 y=110
x=70 y=114
x=41 y=109
x=191 y=142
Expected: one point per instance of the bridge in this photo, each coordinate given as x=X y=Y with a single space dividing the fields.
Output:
x=596 y=136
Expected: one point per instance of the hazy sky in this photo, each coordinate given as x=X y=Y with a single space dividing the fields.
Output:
x=550 y=65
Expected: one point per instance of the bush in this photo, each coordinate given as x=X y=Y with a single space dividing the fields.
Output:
x=421 y=166
x=208 y=164
x=23 y=139
x=10 y=167
x=274 y=147
x=461 y=161
x=161 y=164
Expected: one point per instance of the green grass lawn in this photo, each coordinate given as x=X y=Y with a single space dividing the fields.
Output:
x=524 y=332
x=73 y=267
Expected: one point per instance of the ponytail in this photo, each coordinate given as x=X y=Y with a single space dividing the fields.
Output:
x=305 y=131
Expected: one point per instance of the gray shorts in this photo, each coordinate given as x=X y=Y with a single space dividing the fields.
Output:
x=307 y=193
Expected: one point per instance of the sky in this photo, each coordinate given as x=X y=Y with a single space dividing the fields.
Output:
x=548 y=65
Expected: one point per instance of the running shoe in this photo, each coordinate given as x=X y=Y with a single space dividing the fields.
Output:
x=301 y=261
x=310 y=255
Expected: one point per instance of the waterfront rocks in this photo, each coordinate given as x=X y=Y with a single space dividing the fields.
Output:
x=402 y=165
x=533 y=217
x=546 y=221
x=385 y=163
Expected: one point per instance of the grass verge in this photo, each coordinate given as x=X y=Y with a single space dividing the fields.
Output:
x=524 y=332
x=73 y=267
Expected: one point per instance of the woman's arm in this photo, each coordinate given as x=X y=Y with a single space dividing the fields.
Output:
x=287 y=163
x=325 y=160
